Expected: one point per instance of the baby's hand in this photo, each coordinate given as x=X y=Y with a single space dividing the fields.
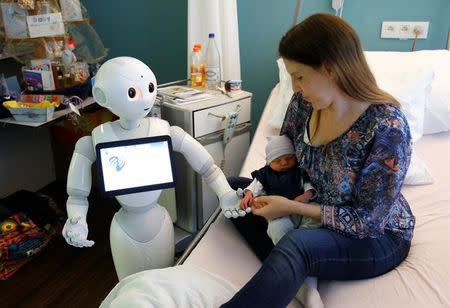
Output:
x=246 y=201
x=305 y=197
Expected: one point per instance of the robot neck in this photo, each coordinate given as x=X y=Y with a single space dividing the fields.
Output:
x=129 y=124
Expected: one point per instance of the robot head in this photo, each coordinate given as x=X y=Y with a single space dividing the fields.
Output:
x=126 y=86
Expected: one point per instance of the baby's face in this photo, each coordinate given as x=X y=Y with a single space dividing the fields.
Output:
x=283 y=163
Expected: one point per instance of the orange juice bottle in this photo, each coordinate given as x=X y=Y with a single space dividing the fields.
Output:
x=198 y=72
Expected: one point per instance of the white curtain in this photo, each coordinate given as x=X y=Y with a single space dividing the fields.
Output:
x=218 y=17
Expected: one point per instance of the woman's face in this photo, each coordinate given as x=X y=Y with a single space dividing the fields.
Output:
x=316 y=85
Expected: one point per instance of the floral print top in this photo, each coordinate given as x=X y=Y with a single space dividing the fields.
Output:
x=358 y=176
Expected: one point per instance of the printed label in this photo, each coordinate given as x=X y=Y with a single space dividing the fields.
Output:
x=212 y=74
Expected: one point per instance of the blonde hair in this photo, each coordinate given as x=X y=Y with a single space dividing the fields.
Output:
x=325 y=39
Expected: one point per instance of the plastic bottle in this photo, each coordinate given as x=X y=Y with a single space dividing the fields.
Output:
x=212 y=64
x=197 y=67
x=203 y=66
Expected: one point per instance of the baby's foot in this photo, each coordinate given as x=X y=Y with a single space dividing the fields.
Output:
x=309 y=297
x=313 y=299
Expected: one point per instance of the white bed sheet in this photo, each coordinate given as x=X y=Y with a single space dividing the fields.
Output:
x=422 y=280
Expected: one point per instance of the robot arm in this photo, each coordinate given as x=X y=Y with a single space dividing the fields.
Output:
x=202 y=162
x=79 y=180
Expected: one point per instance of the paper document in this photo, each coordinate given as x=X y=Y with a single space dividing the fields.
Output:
x=183 y=94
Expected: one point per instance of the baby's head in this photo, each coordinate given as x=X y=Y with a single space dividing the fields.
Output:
x=280 y=153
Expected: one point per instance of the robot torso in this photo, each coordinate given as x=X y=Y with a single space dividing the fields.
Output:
x=112 y=131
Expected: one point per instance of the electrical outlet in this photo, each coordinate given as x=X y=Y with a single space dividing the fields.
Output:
x=404 y=29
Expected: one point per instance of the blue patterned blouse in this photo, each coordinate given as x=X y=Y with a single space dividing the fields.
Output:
x=358 y=176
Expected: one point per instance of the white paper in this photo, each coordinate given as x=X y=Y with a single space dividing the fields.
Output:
x=49 y=82
x=74 y=109
x=45 y=25
x=71 y=10
x=14 y=20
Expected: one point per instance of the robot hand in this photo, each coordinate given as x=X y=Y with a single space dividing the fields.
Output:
x=75 y=232
x=230 y=205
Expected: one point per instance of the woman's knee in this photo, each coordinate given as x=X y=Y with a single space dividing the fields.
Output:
x=303 y=246
x=294 y=240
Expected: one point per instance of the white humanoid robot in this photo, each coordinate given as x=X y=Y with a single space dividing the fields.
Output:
x=141 y=233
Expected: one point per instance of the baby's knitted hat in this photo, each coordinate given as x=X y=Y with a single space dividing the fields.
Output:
x=278 y=146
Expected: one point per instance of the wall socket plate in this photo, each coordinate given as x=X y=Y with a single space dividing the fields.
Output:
x=404 y=29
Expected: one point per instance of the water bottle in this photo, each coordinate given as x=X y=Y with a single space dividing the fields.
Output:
x=212 y=64
x=197 y=67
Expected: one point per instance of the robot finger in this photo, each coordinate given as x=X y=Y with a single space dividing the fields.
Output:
x=76 y=242
x=71 y=241
x=242 y=213
x=87 y=243
x=235 y=214
x=240 y=193
x=227 y=214
x=248 y=210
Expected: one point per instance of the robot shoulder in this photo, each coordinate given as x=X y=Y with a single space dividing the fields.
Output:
x=103 y=132
x=158 y=126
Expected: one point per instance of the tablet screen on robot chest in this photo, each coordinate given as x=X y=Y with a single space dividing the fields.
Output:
x=135 y=165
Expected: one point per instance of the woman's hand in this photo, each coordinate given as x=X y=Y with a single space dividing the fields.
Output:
x=271 y=207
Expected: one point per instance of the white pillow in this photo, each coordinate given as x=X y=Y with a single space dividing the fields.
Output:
x=418 y=173
x=437 y=109
x=282 y=93
x=411 y=89
x=180 y=286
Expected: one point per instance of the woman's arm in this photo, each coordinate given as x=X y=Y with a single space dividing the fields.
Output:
x=377 y=187
x=271 y=207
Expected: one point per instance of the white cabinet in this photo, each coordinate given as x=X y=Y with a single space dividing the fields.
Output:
x=203 y=120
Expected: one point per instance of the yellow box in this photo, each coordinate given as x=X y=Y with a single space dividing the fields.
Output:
x=27 y=112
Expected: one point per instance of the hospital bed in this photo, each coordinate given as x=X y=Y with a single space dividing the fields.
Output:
x=423 y=279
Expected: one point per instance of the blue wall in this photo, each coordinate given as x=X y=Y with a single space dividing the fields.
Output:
x=153 y=31
x=156 y=32
x=263 y=22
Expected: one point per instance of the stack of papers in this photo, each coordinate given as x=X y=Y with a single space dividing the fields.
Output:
x=182 y=94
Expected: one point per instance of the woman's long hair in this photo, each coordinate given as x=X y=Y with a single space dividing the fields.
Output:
x=327 y=39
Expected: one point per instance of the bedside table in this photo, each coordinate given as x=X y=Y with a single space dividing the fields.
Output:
x=203 y=120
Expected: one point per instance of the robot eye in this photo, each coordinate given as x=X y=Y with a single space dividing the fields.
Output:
x=131 y=92
x=151 y=87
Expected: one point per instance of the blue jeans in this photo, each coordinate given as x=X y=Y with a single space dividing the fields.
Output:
x=320 y=253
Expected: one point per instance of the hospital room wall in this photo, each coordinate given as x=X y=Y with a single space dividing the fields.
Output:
x=263 y=22
x=153 y=31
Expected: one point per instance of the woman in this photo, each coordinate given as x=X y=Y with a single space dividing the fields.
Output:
x=354 y=143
